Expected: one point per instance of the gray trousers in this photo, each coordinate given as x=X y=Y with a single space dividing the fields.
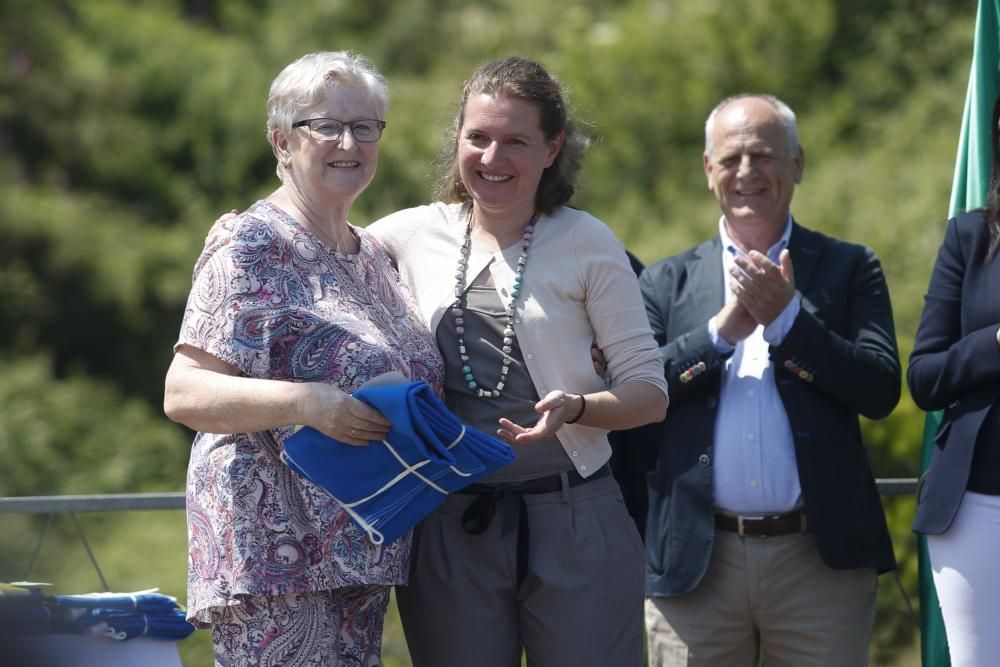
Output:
x=581 y=603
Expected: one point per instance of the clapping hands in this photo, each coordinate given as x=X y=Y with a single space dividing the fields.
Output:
x=762 y=289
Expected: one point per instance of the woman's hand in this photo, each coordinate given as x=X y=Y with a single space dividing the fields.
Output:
x=343 y=417
x=598 y=359
x=555 y=408
x=225 y=217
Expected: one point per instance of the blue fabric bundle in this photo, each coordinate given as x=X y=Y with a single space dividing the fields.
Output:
x=24 y=610
x=120 y=615
x=390 y=485
x=141 y=602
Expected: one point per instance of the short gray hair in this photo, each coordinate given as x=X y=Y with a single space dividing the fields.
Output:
x=304 y=83
x=785 y=114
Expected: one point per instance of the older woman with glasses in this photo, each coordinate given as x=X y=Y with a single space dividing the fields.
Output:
x=292 y=309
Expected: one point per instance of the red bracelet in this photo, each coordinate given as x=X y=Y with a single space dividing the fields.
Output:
x=583 y=408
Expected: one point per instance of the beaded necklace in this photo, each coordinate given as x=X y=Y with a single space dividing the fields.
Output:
x=458 y=312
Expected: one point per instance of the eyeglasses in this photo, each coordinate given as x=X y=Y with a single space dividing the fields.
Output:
x=365 y=130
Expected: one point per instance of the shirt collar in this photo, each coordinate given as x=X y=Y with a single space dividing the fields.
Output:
x=772 y=252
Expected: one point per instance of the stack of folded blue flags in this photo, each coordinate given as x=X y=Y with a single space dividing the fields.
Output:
x=24 y=609
x=389 y=486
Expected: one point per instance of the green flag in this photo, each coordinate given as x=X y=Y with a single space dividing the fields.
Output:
x=975 y=157
x=968 y=191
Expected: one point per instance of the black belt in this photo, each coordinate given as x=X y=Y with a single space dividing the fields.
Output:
x=479 y=514
x=763 y=526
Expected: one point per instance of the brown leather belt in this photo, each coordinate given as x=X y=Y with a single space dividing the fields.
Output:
x=762 y=526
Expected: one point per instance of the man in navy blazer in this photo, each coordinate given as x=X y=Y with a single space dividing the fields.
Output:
x=765 y=530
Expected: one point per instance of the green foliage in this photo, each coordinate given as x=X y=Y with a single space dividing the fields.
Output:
x=129 y=126
x=668 y=56
x=77 y=435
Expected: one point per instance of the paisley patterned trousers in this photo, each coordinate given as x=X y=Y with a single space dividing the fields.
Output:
x=338 y=628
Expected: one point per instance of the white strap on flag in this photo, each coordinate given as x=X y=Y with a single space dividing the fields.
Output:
x=369 y=527
x=374 y=535
x=452 y=445
x=408 y=469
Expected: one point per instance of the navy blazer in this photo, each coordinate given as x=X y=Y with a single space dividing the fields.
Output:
x=838 y=360
x=955 y=364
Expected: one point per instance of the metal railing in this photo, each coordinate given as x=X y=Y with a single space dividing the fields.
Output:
x=112 y=502
x=137 y=502
x=132 y=502
x=71 y=505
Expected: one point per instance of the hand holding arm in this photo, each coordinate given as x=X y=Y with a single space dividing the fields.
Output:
x=226 y=217
x=601 y=362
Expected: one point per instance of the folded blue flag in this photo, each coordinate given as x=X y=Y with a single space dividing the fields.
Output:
x=142 y=601
x=120 y=616
x=390 y=485
x=122 y=625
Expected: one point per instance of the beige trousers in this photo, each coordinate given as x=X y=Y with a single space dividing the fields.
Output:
x=772 y=597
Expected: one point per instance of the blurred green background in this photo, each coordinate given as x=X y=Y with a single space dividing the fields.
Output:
x=127 y=127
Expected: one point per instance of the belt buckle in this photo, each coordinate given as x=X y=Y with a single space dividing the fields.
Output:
x=740 y=518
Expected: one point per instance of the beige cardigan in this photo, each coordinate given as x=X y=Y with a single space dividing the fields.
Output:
x=578 y=287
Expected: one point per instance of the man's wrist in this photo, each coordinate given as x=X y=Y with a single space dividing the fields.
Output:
x=720 y=343
x=775 y=332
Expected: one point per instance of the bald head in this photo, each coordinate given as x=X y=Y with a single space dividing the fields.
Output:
x=785 y=116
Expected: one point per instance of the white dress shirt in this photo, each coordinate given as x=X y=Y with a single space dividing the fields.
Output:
x=754 y=454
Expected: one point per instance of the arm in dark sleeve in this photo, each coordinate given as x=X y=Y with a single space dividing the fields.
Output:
x=688 y=357
x=858 y=367
x=945 y=364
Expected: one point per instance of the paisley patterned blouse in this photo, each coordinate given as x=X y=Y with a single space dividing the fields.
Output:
x=272 y=300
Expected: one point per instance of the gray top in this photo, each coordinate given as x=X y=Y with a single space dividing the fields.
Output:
x=485 y=320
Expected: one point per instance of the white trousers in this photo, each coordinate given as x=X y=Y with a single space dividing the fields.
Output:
x=966 y=564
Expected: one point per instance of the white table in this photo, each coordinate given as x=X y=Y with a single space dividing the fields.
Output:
x=66 y=650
